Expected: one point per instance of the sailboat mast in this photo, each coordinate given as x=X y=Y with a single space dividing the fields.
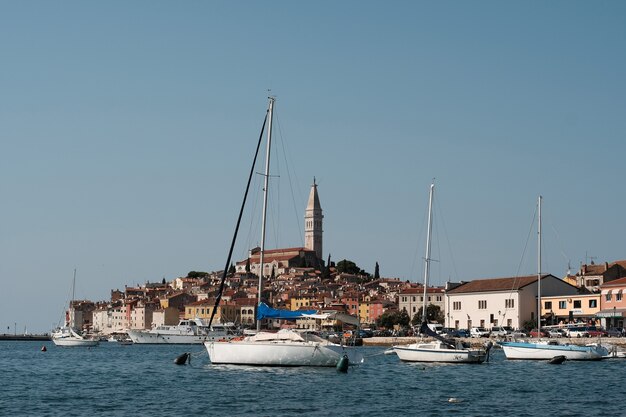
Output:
x=265 y=192
x=539 y=267
x=427 y=259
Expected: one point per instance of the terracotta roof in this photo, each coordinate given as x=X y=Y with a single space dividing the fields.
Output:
x=615 y=283
x=621 y=263
x=420 y=290
x=496 y=284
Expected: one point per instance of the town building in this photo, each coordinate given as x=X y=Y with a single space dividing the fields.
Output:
x=281 y=261
x=411 y=299
x=563 y=309
x=593 y=276
x=613 y=303
x=500 y=301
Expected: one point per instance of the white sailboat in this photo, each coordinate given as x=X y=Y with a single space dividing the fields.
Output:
x=286 y=347
x=546 y=350
x=439 y=350
x=67 y=336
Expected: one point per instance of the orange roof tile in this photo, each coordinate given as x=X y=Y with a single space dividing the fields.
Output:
x=496 y=284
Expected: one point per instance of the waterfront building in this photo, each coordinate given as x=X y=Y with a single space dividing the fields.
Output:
x=500 y=301
x=613 y=303
x=570 y=308
x=226 y=312
x=593 y=276
x=141 y=315
x=411 y=299
x=165 y=317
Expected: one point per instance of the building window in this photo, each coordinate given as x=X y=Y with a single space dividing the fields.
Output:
x=593 y=303
x=482 y=323
x=456 y=305
x=548 y=305
x=456 y=324
x=509 y=303
x=482 y=305
x=413 y=299
x=577 y=304
x=438 y=298
x=608 y=296
x=562 y=305
x=618 y=296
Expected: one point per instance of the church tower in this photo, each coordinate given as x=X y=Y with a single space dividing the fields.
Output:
x=313 y=223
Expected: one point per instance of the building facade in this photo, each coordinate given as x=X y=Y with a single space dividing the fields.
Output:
x=500 y=301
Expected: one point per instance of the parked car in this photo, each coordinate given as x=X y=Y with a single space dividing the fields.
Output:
x=499 y=331
x=596 y=331
x=576 y=332
x=365 y=333
x=555 y=333
x=479 y=332
x=537 y=333
x=615 y=332
x=460 y=333
x=518 y=333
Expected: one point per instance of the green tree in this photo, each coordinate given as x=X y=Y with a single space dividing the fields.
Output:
x=387 y=319
x=197 y=274
x=433 y=313
x=376 y=271
x=404 y=319
x=248 y=266
x=347 y=267
x=231 y=269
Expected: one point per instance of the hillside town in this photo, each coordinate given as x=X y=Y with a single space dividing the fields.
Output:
x=298 y=278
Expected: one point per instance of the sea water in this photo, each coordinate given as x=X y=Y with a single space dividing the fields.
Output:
x=142 y=380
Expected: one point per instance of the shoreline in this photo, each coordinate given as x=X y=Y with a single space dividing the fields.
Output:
x=474 y=342
x=25 y=337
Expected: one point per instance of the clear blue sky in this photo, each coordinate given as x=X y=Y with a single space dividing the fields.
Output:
x=127 y=130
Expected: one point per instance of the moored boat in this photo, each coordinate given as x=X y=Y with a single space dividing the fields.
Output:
x=68 y=337
x=546 y=350
x=185 y=332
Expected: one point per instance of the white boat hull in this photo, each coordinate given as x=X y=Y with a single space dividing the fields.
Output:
x=70 y=342
x=151 y=337
x=280 y=353
x=424 y=353
x=540 y=351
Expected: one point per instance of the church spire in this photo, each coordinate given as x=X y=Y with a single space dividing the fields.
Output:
x=313 y=222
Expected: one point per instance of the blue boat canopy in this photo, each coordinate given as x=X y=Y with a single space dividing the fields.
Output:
x=266 y=312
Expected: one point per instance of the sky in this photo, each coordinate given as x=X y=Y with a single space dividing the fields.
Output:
x=127 y=131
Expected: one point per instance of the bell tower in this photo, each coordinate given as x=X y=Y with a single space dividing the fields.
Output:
x=313 y=223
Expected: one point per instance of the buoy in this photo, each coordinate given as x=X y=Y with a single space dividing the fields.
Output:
x=454 y=400
x=44 y=349
x=182 y=359
x=343 y=364
x=557 y=360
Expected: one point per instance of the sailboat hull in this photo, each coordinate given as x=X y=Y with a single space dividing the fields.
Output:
x=70 y=342
x=279 y=353
x=427 y=352
x=541 y=351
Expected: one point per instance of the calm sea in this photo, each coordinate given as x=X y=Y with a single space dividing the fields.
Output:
x=142 y=380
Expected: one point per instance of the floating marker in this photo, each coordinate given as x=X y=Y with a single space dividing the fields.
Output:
x=182 y=359
x=343 y=364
